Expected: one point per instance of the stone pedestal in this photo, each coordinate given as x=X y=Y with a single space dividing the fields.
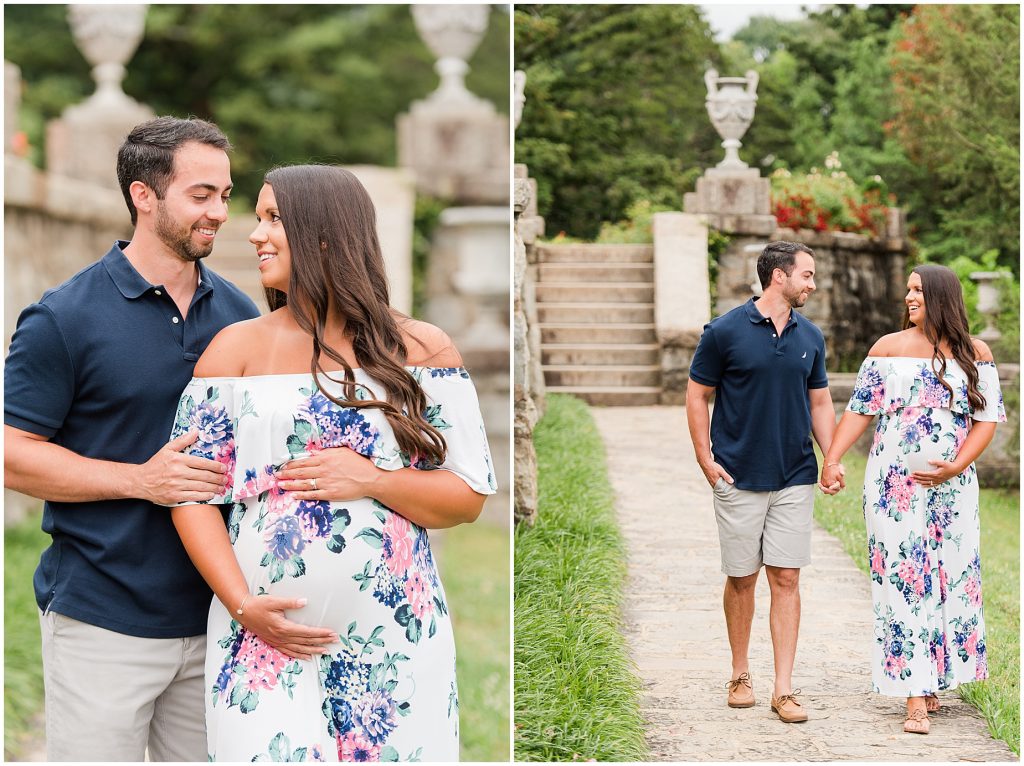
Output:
x=729 y=192
x=467 y=296
x=458 y=151
x=682 y=304
x=393 y=191
x=83 y=143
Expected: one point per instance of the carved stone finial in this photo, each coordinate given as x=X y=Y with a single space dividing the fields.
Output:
x=452 y=32
x=519 y=82
x=731 y=108
x=108 y=35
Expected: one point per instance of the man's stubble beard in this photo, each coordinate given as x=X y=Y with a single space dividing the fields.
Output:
x=178 y=239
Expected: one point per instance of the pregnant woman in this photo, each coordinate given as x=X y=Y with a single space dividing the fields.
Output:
x=936 y=393
x=347 y=430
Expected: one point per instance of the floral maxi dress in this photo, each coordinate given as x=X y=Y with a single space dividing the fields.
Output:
x=387 y=690
x=923 y=542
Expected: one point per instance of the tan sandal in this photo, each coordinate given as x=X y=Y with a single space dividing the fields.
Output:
x=917 y=722
x=931 y=702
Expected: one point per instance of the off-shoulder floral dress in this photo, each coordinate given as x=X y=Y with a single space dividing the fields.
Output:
x=923 y=542
x=387 y=690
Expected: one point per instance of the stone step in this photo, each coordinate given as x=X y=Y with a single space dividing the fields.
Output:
x=592 y=354
x=623 y=292
x=602 y=376
x=550 y=273
x=612 y=396
x=595 y=313
x=603 y=333
x=590 y=253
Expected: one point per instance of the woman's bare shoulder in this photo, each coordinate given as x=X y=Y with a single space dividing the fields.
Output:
x=889 y=345
x=428 y=345
x=231 y=348
x=982 y=353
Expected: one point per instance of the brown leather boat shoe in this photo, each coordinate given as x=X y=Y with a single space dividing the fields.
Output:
x=741 y=691
x=788 y=709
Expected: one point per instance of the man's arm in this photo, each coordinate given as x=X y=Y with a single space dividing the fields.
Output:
x=698 y=399
x=34 y=466
x=823 y=417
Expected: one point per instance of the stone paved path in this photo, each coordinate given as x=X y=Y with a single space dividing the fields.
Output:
x=677 y=630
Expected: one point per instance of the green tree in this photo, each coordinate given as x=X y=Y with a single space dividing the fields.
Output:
x=615 y=107
x=957 y=96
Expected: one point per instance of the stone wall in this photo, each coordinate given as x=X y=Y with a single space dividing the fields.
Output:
x=860 y=286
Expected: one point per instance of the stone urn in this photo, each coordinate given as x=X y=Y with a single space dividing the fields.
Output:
x=730 y=105
x=519 y=97
x=452 y=32
x=988 y=301
x=108 y=36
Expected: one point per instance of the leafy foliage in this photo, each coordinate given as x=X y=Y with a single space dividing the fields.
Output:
x=615 y=107
x=286 y=83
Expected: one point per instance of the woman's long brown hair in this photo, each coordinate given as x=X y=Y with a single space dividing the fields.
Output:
x=945 y=320
x=331 y=227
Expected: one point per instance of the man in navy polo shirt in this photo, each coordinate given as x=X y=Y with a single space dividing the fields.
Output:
x=92 y=381
x=765 y=364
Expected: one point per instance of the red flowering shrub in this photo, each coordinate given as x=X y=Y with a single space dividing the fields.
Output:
x=830 y=201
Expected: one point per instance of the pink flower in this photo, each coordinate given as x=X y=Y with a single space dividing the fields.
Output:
x=397 y=544
x=877 y=561
x=973 y=588
x=940 y=660
x=417 y=590
x=226 y=457
x=971 y=645
x=981 y=669
x=262 y=662
x=279 y=501
x=354 y=747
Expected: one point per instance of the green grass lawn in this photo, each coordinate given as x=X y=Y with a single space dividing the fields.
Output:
x=474 y=563
x=576 y=693
x=23 y=670
x=475 y=568
x=998 y=698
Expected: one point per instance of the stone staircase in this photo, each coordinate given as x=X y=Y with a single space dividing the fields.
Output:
x=595 y=307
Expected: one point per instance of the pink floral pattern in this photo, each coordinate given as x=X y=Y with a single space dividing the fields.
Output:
x=923 y=541
x=386 y=691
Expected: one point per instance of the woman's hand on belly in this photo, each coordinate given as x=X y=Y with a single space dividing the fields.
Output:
x=337 y=474
x=943 y=472
x=264 y=616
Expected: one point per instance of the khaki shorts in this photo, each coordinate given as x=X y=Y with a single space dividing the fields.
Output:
x=770 y=528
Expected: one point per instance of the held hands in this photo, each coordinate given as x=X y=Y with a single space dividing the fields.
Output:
x=171 y=476
x=833 y=478
x=337 y=473
x=944 y=471
x=264 y=616
x=713 y=472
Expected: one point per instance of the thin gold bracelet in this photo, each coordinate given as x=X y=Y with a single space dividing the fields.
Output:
x=242 y=605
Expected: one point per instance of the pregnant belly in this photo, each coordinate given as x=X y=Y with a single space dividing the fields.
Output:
x=925 y=434
x=346 y=559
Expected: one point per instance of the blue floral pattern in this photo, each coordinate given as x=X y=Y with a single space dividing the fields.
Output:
x=386 y=691
x=923 y=542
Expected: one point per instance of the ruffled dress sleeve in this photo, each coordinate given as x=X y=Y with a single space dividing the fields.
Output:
x=868 y=396
x=988 y=385
x=207 y=406
x=454 y=409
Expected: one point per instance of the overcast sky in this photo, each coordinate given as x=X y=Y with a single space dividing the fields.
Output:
x=726 y=19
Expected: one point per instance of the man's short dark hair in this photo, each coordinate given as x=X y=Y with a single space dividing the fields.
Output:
x=147 y=153
x=778 y=255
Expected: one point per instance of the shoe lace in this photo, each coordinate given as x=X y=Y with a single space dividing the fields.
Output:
x=780 y=701
x=743 y=679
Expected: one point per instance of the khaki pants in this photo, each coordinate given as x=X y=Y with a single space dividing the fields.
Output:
x=110 y=696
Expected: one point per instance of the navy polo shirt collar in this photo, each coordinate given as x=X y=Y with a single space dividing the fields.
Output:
x=756 y=317
x=131 y=283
